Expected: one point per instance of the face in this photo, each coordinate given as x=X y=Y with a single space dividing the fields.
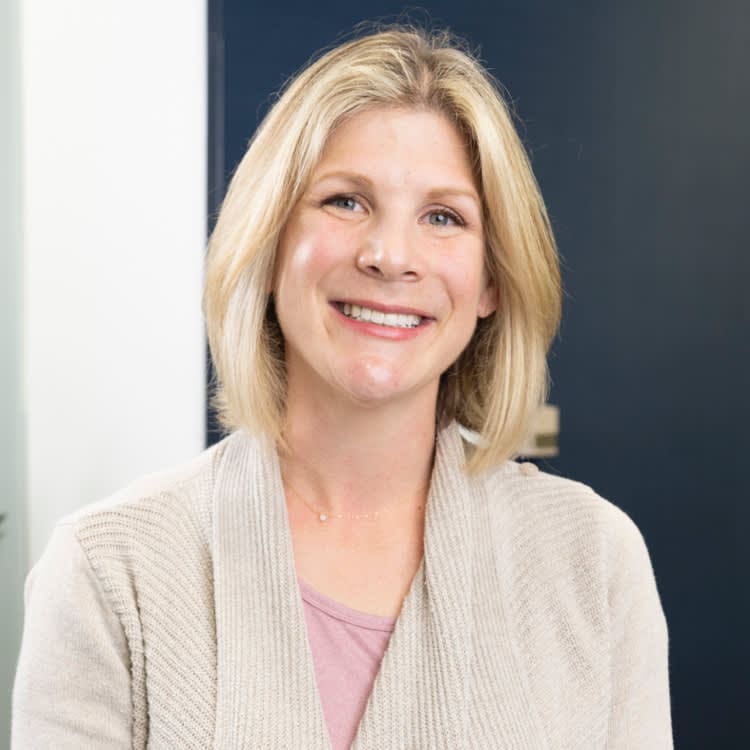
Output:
x=380 y=270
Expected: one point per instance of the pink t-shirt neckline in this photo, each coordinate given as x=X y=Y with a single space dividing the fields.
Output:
x=342 y=612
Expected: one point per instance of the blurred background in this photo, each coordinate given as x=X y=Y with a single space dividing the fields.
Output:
x=120 y=124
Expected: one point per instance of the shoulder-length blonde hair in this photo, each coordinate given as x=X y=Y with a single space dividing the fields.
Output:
x=501 y=377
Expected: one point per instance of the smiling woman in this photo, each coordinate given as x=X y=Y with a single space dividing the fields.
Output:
x=501 y=376
x=346 y=568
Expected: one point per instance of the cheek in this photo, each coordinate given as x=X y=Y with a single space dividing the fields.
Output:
x=308 y=256
x=299 y=260
x=464 y=279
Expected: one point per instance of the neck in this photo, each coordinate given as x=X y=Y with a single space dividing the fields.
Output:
x=352 y=460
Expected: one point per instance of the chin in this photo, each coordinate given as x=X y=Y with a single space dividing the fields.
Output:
x=376 y=385
x=373 y=383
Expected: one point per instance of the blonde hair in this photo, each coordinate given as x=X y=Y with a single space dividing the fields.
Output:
x=501 y=378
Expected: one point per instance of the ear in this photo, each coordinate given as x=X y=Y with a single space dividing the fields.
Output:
x=488 y=301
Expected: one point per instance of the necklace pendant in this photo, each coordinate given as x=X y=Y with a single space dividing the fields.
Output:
x=323 y=516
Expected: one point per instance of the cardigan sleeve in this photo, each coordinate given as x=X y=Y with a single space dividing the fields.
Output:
x=640 y=709
x=72 y=685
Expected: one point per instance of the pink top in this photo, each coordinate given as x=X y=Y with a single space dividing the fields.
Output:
x=347 y=647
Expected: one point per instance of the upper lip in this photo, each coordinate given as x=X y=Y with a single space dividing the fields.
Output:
x=398 y=309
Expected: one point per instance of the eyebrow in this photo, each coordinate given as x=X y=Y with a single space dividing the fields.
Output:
x=433 y=193
x=354 y=177
x=461 y=192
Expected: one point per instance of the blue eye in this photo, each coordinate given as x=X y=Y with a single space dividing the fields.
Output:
x=343 y=201
x=444 y=218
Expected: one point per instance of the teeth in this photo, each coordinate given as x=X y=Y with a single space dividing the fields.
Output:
x=395 y=320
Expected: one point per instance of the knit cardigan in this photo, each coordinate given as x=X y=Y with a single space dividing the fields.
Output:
x=169 y=617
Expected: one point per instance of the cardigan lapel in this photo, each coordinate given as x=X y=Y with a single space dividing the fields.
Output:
x=266 y=690
x=419 y=699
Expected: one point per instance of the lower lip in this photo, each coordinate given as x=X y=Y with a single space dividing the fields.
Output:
x=392 y=333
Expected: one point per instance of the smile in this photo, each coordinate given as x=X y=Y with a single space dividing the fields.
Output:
x=368 y=315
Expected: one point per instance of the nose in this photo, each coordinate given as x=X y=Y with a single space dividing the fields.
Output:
x=389 y=253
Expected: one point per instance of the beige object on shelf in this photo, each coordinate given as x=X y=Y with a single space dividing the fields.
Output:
x=545 y=431
x=543 y=439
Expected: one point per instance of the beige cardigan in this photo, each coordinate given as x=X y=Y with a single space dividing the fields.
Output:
x=169 y=617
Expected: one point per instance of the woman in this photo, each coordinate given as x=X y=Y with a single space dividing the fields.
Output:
x=360 y=563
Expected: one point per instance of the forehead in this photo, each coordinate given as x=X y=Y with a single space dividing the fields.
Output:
x=398 y=143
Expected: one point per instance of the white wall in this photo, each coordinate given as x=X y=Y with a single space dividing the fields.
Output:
x=113 y=222
x=12 y=468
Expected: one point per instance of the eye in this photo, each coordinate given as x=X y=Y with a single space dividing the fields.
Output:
x=445 y=218
x=345 y=202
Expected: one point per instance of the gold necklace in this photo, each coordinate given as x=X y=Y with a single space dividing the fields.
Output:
x=323 y=516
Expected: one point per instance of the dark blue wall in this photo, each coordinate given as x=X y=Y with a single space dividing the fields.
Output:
x=637 y=115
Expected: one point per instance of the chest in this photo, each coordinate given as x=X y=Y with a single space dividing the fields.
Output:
x=371 y=572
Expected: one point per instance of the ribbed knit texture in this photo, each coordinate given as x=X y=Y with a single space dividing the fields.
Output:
x=170 y=617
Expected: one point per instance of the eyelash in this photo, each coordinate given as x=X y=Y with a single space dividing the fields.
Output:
x=452 y=215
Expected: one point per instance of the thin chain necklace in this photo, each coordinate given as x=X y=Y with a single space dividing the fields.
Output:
x=323 y=516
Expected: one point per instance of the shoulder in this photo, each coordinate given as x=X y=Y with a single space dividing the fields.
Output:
x=550 y=502
x=180 y=493
x=563 y=532
x=571 y=563
x=146 y=545
x=157 y=527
